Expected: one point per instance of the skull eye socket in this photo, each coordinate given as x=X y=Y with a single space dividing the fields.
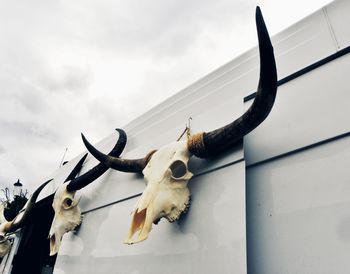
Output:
x=178 y=169
x=67 y=202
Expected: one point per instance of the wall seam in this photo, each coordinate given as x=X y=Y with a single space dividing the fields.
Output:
x=330 y=28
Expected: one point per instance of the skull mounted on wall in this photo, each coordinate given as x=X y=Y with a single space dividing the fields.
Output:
x=165 y=170
x=66 y=200
x=8 y=227
x=5 y=242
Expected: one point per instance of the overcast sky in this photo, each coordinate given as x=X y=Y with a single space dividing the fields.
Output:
x=91 y=66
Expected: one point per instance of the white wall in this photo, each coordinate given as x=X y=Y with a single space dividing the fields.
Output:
x=297 y=205
x=298 y=178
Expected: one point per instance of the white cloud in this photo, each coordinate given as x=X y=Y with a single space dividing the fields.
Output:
x=92 y=66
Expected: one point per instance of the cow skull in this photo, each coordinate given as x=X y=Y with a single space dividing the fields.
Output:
x=67 y=216
x=166 y=194
x=18 y=222
x=5 y=243
x=165 y=170
x=66 y=202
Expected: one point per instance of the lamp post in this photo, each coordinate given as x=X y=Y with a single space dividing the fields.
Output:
x=18 y=200
x=17 y=188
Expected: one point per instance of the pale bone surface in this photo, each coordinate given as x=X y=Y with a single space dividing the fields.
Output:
x=211 y=234
x=67 y=216
x=5 y=243
x=166 y=194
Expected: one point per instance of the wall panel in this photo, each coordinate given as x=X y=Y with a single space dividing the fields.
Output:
x=209 y=238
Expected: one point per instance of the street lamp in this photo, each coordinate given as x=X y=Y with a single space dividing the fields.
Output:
x=17 y=188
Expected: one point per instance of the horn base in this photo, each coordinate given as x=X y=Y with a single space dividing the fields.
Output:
x=196 y=145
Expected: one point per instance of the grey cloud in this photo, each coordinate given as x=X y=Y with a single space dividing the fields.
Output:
x=109 y=111
x=20 y=95
x=46 y=102
x=30 y=165
x=30 y=98
x=2 y=150
x=157 y=28
x=28 y=130
x=68 y=79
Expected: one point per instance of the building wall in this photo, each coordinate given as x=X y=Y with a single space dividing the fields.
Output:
x=280 y=205
x=298 y=178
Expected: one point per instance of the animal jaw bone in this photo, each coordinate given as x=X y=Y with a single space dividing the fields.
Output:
x=150 y=207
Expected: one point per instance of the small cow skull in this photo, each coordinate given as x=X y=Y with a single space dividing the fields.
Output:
x=65 y=203
x=166 y=194
x=18 y=222
x=5 y=245
x=165 y=170
x=67 y=216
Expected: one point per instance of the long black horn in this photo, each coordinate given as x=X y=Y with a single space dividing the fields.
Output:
x=209 y=144
x=97 y=171
x=76 y=169
x=125 y=165
x=22 y=217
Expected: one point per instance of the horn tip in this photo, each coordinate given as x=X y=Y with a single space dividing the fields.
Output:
x=258 y=13
x=84 y=157
x=121 y=132
x=84 y=138
x=122 y=137
x=259 y=17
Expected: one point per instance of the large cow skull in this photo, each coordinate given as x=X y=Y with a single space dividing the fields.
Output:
x=166 y=194
x=165 y=170
x=8 y=227
x=66 y=201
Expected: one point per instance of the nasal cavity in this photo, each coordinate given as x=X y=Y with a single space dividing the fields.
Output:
x=178 y=169
x=52 y=241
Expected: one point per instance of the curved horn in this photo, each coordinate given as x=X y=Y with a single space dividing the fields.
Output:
x=209 y=144
x=76 y=169
x=97 y=171
x=136 y=165
x=21 y=218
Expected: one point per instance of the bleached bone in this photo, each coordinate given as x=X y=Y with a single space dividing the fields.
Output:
x=5 y=243
x=66 y=203
x=18 y=222
x=165 y=170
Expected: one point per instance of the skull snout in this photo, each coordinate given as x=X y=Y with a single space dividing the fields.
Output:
x=165 y=203
x=166 y=194
x=142 y=222
x=54 y=244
